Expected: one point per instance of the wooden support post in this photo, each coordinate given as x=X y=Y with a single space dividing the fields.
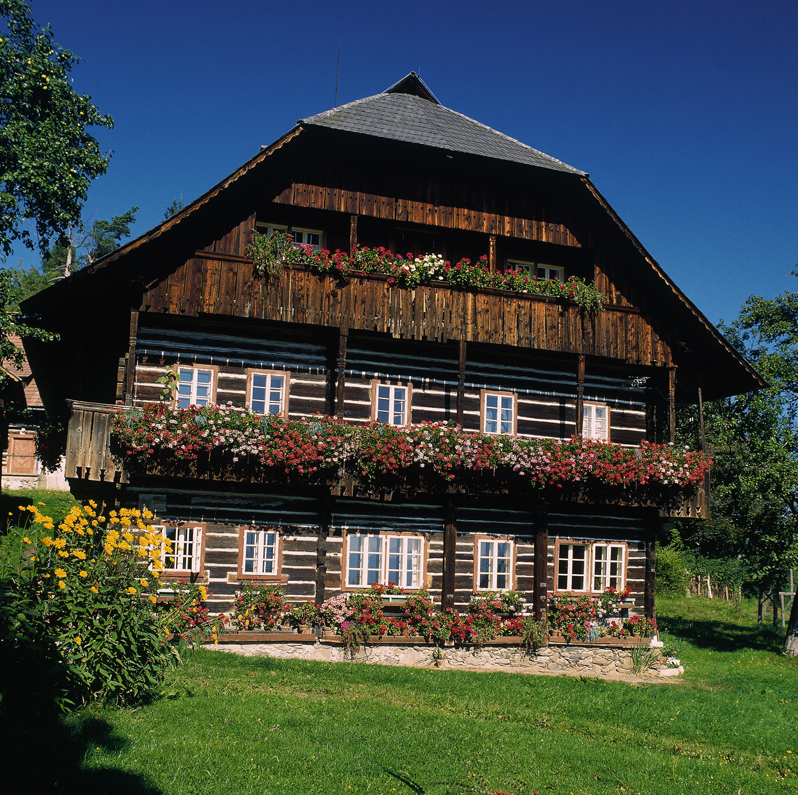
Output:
x=461 y=369
x=325 y=519
x=671 y=404
x=492 y=254
x=649 y=584
x=340 y=391
x=130 y=364
x=449 y=552
x=541 y=586
x=352 y=233
x=580 y=393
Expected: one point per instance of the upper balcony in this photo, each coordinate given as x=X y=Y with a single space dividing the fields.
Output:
x=375 y=461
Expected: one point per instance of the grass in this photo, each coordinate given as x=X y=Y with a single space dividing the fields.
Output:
x=18 y=522
x=228 y=724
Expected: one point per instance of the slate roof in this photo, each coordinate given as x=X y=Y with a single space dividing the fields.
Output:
x=407 y=117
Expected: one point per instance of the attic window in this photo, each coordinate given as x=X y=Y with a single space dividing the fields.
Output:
x=538 y=270
x=299 y=235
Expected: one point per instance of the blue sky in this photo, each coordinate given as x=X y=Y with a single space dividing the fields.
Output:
x=685 y=114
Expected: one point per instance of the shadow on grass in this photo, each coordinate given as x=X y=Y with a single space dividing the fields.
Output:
x=722 y=636
x=42 y=753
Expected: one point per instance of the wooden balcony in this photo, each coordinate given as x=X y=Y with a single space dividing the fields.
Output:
x=92 y=457
x=88 y=451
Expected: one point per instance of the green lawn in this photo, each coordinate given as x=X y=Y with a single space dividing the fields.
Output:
x=234 y=725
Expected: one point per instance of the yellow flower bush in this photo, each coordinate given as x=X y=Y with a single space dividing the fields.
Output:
x=81 y=610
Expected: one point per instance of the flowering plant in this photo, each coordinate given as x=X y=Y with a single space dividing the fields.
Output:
x=611 y=600
x=258 y=607
x=187 y=616
x=306 y=613
x=574 y=615
x=78 y=614
x=271 y=254
x=640 y=625
x=440 y=450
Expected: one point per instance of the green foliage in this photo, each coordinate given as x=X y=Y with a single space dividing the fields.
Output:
x=644 y=657
x=11 y=325
x=672 y=575
x=258 y=607
x=173 y=208
x=753 y=440
x=271 y=254
x=77 y=620
x=47 y=155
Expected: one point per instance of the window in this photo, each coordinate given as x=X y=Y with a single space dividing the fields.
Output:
x=185 y=555
x=311 y=237
x=373 y=559
x=390 y=404
x=259 y=552
x=196 y=386
x=572 y=567
x=608 y=566
x=498 y=412
x=595 y=421
x=494 y=564
x=573 y=562
x=267 y=391
x=538 y=269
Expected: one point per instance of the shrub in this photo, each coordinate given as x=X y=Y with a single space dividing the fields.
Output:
x=77 y=619
x=187 y=616
x=673 y=578
x=258 y=607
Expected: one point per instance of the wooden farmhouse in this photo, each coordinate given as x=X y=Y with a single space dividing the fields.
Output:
x=400 y=172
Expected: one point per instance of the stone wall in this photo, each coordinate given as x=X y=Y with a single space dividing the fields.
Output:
x=585 y=659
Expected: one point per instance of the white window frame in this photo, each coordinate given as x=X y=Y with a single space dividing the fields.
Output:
x=392 y=389
x=266 y=550
x=499 y=425
x=602 y=572
x=569 y=572
x=590 y=421
x=193 y=397
x=488 y=577
x=550 y=272
x=282 y=402
x=300 y=235
x=185 y=535
x=368 y=560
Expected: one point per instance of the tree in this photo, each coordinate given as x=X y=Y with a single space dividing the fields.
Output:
x=47 y=156
x=753 y=440
x=85 y=246
x=173 y=208
x=61 y=259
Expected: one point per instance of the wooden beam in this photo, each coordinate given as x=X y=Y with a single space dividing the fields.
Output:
x=580 y=393
x=340 y=391
x=649 y=584
x=492 y=254
x=325 y=520
x=130 y=364
x=352 y=233
x=461 y=369
x=541 y=586
x=449 y=552
x=671 y=404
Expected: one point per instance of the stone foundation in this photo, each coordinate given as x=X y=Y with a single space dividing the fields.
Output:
x=583 y=659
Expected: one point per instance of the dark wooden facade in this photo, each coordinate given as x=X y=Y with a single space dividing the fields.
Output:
x=185 y=294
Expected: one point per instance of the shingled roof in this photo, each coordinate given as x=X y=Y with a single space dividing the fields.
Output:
x=408 y=111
